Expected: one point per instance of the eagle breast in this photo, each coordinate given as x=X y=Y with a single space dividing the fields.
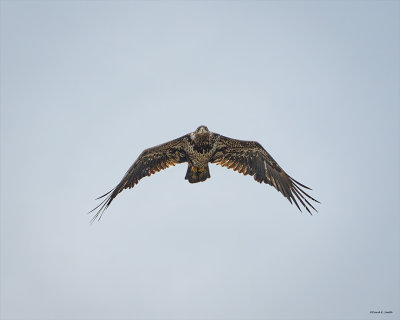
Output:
x=201 y=146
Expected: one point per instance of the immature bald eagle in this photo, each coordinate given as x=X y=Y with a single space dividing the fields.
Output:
x=198 y=149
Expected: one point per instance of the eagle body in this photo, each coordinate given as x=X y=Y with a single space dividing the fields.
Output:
x=199 y=148
x=202 y=147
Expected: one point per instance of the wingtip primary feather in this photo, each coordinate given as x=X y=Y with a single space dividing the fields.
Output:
x=103 y=205
x=304 y=186
x=299 y=193
x=105 y=194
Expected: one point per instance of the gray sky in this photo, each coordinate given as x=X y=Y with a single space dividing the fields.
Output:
x=87 y=85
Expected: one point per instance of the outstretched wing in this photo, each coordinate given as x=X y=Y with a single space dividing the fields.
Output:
x=150 y=161
x=249 y=157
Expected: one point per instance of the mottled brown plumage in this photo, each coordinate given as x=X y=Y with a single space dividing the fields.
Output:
x=202 y=147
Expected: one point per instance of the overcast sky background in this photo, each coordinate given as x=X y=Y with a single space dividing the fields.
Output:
x=87 y=85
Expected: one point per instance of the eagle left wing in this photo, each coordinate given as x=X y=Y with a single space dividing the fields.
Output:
x=249 y=157
x=150 y=161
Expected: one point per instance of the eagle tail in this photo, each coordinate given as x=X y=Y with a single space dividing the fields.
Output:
x=197 y=174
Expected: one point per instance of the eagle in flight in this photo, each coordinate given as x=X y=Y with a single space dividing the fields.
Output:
x=202 y=147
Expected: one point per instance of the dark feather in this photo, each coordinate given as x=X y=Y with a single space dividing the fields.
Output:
x=254 y=160
x=150 y=161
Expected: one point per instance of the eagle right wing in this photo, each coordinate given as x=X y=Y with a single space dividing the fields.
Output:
x=249 y=157
x=150 y=161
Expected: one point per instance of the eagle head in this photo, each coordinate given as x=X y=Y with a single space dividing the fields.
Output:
x=200 y=133
x=201 y=130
